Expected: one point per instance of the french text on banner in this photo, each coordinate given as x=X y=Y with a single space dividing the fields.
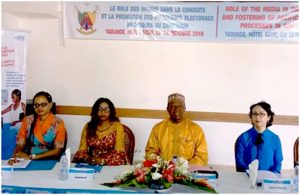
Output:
x=182 y=21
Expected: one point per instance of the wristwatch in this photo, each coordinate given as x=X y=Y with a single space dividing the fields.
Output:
x=32 y=156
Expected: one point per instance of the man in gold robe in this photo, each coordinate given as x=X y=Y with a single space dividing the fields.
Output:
x=177 y=136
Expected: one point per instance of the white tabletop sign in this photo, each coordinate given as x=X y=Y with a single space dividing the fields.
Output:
x=80 y=174
x=210 y=178
x=277 y=185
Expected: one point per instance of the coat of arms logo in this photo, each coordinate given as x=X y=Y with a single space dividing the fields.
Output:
x=86 y=20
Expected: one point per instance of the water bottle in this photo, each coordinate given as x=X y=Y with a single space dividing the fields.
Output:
x=63 y=171
x=296 y=178
x=175 y=160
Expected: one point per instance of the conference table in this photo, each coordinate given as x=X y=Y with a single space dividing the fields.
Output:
x=46 y=181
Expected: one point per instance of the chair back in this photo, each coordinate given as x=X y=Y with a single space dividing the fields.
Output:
x=65 y=144
x=296 y=152
x=129 y=144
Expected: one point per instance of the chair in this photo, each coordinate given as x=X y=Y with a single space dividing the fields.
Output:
x=129 y=144
x=296 y=152
x=29 y=110
x=65 y=144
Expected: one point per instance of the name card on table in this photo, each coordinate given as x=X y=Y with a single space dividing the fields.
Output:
x=211 y=177
x=277 y=185
x=6 y=172
x=79 y=174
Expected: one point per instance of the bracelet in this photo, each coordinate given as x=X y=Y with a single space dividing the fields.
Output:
x=32 y=156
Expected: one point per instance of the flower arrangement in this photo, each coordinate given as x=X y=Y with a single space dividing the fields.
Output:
x=159 y=174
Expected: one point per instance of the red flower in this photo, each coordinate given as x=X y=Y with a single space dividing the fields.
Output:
x=171 y=165
x=163 y=173
x=168 y=175
x=140 y=175
x=149 y=163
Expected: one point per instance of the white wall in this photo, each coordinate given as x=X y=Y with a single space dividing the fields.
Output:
x=216 y=77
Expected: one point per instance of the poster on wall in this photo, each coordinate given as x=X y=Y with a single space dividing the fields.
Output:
x=13 y=86
x=13 y=76
x=183 y=21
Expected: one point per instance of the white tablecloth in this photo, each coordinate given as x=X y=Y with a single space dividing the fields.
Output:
x=229 y=181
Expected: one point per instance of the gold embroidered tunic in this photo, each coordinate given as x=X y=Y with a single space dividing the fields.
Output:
x=185 y=139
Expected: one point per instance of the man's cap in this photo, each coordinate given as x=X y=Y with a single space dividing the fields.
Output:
x=177 y=97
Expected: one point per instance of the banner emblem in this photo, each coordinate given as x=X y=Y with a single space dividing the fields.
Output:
x=86 y=20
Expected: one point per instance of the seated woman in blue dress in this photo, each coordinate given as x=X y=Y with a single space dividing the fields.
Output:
x=259 y=142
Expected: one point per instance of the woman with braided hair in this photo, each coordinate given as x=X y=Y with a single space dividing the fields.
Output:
x=42 y=135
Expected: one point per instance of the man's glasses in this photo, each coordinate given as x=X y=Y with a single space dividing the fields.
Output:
x=105 y=110
x=258 y=114
x=43 y=105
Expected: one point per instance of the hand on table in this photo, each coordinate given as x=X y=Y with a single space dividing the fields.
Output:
x=18 y=155
x=22 y=155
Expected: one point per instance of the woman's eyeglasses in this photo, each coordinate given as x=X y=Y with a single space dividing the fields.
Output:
x=258 y=114
x=105 y=110
x=43 y=105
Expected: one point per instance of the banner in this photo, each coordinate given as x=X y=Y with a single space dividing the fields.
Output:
x=183 y=21
x=13 y=87
x=13 y=71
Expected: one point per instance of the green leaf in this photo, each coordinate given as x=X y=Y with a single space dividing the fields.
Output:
x=139 y=185
x=148 y=178
x=167 y=185
x=109 y=184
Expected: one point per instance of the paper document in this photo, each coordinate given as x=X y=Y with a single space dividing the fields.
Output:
x=21 y=163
